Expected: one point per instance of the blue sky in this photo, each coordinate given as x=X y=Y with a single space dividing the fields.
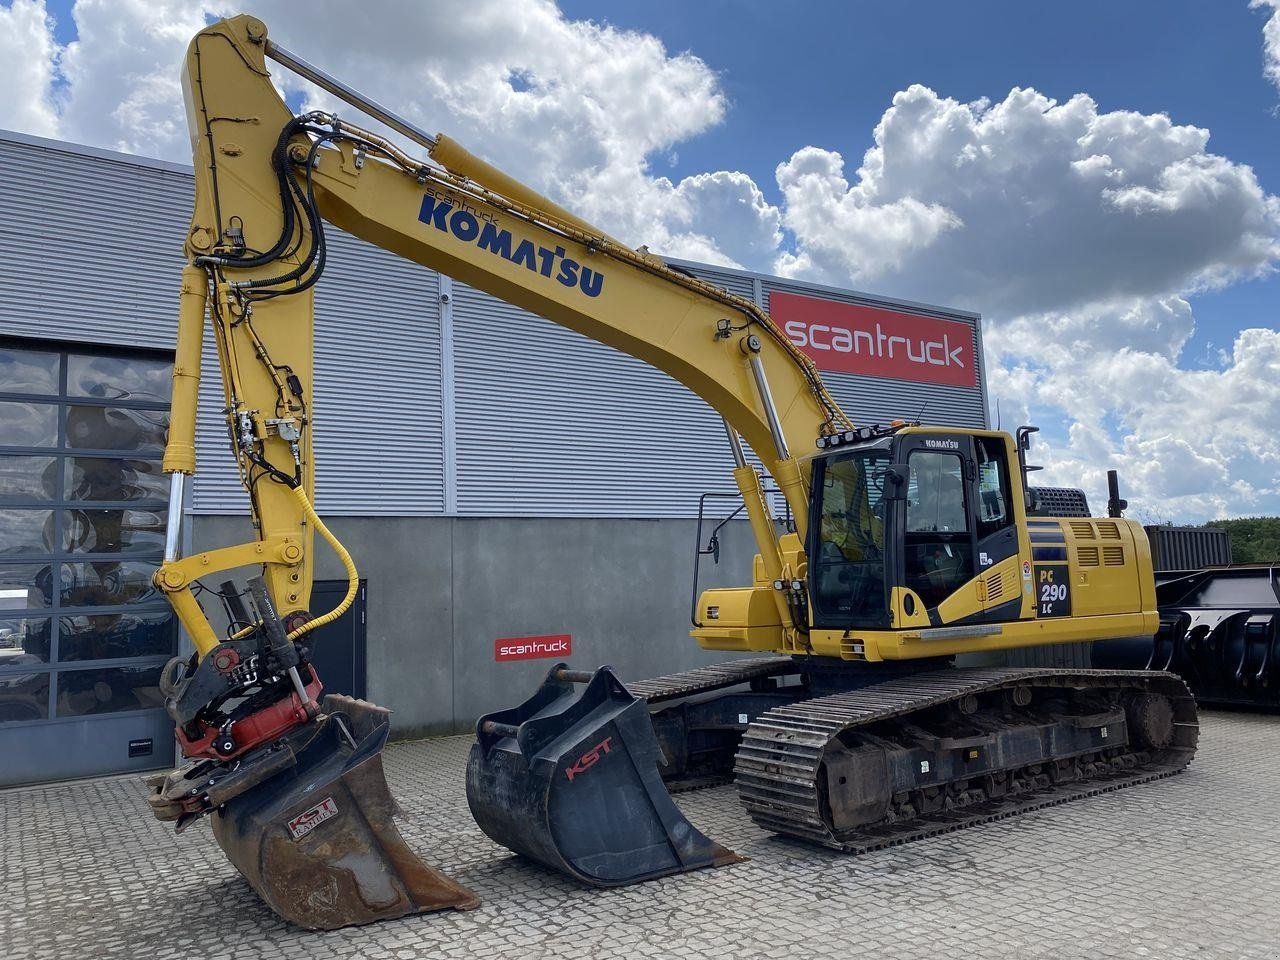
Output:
x=822 y=73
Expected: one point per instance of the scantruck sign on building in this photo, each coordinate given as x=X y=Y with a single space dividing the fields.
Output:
x=532 y=648
x=875 y=342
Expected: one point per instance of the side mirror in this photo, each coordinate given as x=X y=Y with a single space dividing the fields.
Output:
x=896 y=475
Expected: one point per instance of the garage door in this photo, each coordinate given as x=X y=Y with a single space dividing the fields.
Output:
x=83 y=633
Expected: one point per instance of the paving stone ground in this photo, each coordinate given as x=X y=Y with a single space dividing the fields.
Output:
x=1185 y=867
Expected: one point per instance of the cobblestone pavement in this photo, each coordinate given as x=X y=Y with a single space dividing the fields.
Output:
x=1184 y=867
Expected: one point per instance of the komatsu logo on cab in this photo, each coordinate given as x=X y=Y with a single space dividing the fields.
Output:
x=465 y=224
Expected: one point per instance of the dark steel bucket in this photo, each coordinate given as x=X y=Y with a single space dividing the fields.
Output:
x=570 y=779
x=319 y=843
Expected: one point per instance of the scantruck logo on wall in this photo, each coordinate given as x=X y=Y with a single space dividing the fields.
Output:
x=533 y=648
x=874 y=342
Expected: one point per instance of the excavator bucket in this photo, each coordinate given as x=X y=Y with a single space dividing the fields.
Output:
x=317 y=840
x=570 y=779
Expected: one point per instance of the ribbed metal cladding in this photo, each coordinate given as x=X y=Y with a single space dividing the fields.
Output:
x=551 y=423
x=92 y=247
x=1188 y=548
x=377 y=406
x=65 y=210
x=548 y=422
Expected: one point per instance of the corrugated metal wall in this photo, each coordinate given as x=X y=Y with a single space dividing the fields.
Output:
x=377 y=404
x=547 y=422
x=65 y=210
x=91 y=247
x=551 y=423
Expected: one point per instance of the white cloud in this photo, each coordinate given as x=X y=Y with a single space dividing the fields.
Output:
x=1027 y=206
x=1080 y=235
x=1270 y=40
x=122 y=74
x=1193 y=445
x=28 y=50
x=573 y=107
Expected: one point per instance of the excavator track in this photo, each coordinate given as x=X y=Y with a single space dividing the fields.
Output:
x=715 y=676
x=782 y=763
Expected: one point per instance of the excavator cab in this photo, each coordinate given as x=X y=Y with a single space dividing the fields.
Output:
x=906 y=517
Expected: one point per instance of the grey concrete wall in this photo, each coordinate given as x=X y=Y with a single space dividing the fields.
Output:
x=442 y=589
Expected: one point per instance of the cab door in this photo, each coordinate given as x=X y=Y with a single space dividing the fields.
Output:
x=938 y=545
x=995 y=531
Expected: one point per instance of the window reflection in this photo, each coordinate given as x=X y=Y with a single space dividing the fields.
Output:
x=118 y=378
x=23 y=640
x=113 y=635
x=115 y=428
x=112 y=531
x=108 y=690
x=114 y=479
x=116 y=498
x=28 y=371
x=24 y=697
x=26 y=531
x=28 y=424
x=107 y=583
x=25 y=586
x=28 y=478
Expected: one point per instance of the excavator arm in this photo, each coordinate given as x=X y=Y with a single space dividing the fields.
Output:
x=266 y=184
x=272 y=760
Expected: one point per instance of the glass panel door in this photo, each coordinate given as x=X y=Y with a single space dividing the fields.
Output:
x=83 y=633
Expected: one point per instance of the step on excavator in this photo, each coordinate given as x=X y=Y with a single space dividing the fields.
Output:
x=842 y=719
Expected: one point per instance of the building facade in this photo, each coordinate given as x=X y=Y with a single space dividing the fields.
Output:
x=495 y=476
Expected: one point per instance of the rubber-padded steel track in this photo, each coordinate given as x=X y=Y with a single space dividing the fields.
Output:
x=716 y=676
x=779 y=760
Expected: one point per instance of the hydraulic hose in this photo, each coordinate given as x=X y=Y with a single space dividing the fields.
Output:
x=353 y=577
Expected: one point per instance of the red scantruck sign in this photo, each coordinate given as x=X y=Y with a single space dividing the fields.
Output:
x=533 y=648
x=874 y=342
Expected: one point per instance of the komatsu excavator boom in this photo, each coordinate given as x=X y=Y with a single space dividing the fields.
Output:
x=907 y=545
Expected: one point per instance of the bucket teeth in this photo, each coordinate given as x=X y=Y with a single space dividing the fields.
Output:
x=570 y=779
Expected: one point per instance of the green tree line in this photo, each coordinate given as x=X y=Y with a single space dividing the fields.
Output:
x=1253 y=539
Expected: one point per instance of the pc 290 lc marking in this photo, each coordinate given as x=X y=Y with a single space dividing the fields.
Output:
x=449 y=215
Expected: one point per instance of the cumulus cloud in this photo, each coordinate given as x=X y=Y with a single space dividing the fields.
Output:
x=28 y=50
x=1270 y=39
x=1192 y=444
x=1082 y=236
x=573 y=107
x=1027 y=206
x=122 y=75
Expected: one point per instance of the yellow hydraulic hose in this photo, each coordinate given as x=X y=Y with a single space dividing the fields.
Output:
x=353 y=577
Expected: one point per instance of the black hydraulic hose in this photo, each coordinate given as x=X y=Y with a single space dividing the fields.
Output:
x=280 y=161
x=317 y=253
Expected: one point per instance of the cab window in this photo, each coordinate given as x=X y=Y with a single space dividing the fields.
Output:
x=847 y=561
x=935 y=493
x=938 y=549
x=994 y=513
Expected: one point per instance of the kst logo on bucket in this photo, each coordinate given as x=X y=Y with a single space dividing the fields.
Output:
x=874 y=342
x=311 y=818
x=533 y=648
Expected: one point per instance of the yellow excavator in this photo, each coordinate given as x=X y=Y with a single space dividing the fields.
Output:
x=903 y=546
